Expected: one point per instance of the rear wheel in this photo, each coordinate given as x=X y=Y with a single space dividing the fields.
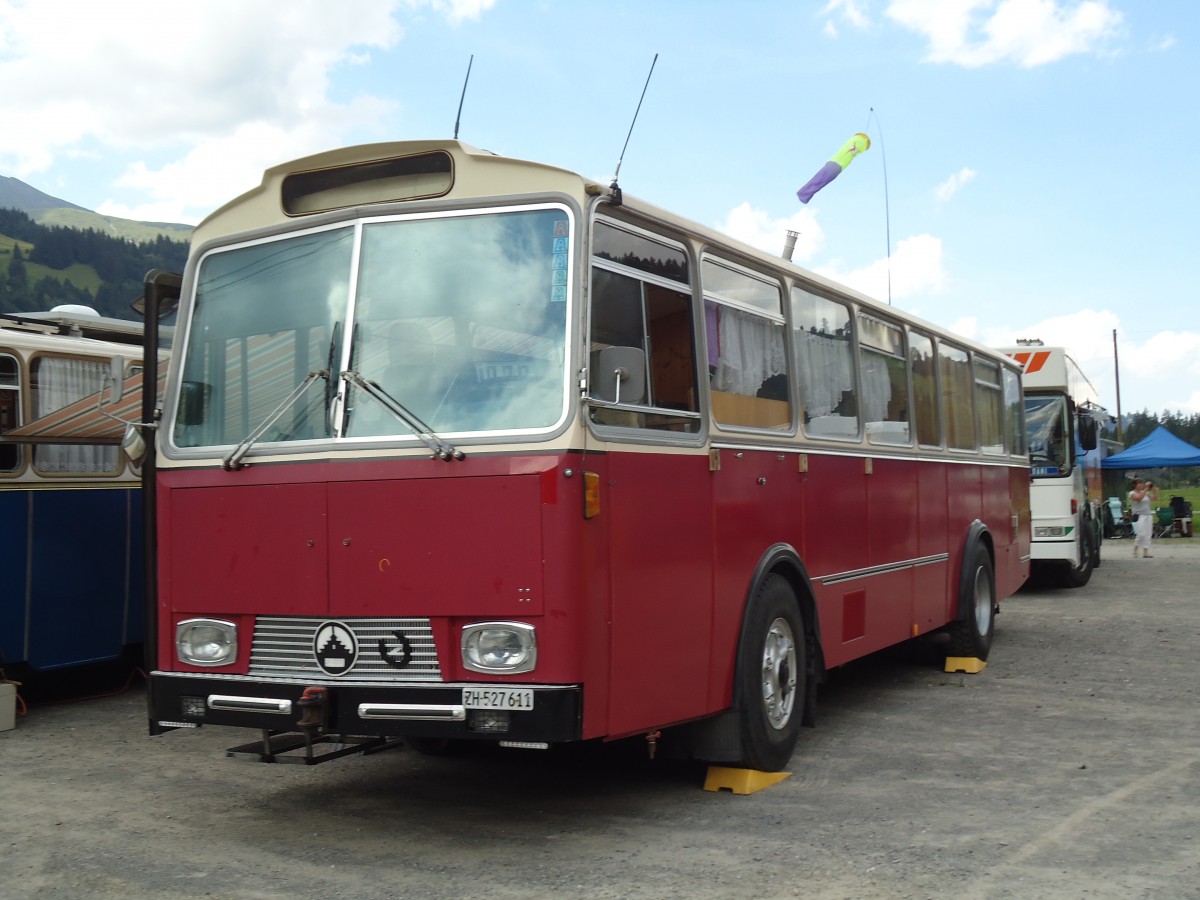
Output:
x=772 y=676
x=971 y=635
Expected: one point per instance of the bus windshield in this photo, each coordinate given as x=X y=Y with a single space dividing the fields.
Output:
x=461 y=319
x=1046 y=425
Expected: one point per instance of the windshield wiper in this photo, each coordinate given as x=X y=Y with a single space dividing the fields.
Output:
x=440 y=448
x=234 y=460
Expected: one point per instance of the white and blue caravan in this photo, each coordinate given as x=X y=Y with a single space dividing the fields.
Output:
x=71 y=582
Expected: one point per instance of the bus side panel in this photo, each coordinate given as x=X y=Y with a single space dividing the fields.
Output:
x=836 y=532
x=964 y=499
x=14 y=566
x=79 y=564
x=931 y=581
x=1014 y=570
x=659 y=511
x=749 y=517
x=891 y=522
x=577 y=586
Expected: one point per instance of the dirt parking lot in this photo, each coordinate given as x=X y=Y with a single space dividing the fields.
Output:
x=1069 y=768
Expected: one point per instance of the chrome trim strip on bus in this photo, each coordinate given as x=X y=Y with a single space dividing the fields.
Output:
x=271 y=705
x=886 y=569
x=412 y=712
x=268 y=681
x=902 y=454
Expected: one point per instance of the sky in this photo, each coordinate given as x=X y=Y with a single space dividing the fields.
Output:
x=1031 y=171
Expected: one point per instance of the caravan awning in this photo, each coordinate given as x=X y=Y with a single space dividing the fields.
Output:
x=86 y=421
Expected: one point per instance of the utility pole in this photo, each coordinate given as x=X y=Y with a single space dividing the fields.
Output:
x=1117 y=378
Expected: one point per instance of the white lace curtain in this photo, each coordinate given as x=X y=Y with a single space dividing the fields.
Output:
x=58 y=383
x=826 y=371
x=750 y=350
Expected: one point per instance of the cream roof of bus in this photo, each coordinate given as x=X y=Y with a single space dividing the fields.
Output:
x=477 y=173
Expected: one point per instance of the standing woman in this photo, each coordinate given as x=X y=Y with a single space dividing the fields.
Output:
x=1142 y=509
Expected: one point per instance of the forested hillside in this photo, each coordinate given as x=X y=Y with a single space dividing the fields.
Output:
x=42 y=267
x=1140 y=425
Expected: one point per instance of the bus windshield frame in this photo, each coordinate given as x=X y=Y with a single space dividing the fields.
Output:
x=1047 y=425
x=462 y=318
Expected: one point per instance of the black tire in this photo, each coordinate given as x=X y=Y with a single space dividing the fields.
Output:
x=772 y=676
x=971 y=635
x=1073 y=576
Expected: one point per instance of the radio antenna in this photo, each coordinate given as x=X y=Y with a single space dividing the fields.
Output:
x=458 y=118
x=615 y=188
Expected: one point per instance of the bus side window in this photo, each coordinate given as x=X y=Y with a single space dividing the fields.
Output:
x=638 y=320
x=825 y=365
x=958 y=388
x=1014 y=414
x=884 y=381
x=10 y=411
x=925 y=393
x=989 y=403
x=747 y=348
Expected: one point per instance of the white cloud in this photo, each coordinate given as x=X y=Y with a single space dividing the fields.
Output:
x=455 y=11
x=851 y=11
x=952 y=185
x=1028 y=33
x=756 y=228
x=234 y=85
x=915 y=269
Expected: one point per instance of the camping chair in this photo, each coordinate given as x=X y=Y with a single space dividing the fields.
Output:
x=1119 y=524
x=1164 y=523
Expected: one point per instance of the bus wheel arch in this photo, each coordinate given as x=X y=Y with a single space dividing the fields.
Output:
x=778 y=663
x=974 y=625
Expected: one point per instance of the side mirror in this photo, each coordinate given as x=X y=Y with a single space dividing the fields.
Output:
x=618 y=375
x=1088 y=432
x=134 y=445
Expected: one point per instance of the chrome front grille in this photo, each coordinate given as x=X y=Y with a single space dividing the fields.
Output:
x=283 y=648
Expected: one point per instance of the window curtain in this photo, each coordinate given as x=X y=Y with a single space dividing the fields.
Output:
x=750 y=349
x=58 y=383
x=826 y=371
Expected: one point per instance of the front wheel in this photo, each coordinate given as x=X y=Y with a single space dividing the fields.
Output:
x=772 y=677
x=971 y=635
x=1076 y=576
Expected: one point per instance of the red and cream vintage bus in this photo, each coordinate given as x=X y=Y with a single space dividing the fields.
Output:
x=457 y=447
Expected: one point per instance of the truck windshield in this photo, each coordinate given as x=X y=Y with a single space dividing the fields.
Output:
x=461 y=318
x=1046 y=425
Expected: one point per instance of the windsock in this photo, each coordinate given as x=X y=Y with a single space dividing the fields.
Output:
x=832 y=169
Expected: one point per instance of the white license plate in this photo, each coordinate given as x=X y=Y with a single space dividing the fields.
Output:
x=497 y=698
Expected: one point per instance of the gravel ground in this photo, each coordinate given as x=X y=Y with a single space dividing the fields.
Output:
x=1069 y=768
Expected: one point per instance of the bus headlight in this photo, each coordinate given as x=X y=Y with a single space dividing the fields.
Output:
x=206 y=642
x=506 y=647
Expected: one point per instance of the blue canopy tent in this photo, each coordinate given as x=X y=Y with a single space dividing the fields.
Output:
x=1160 y=449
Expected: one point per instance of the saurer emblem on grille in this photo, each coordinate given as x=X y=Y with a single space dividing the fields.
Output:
x=335 y=648
x=396 y=657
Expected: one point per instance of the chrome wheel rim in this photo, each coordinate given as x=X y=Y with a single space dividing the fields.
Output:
x=779 y=669
x=983 y=601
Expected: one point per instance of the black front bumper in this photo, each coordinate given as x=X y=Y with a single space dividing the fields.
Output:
x=410 y=710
